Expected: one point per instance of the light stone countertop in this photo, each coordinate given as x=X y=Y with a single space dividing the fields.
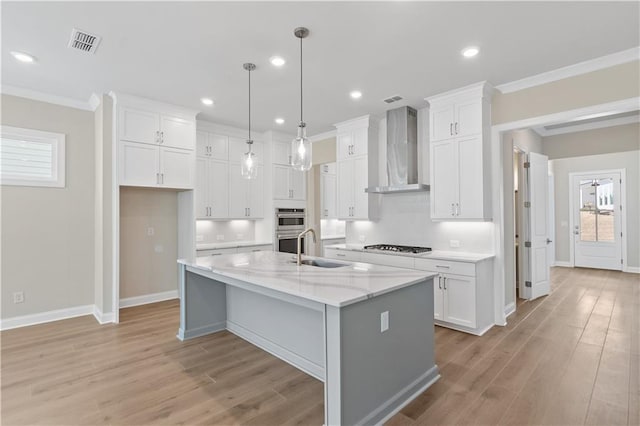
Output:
x=332 y=237
x=338 y=287
x=456 y=256
x=231 y=244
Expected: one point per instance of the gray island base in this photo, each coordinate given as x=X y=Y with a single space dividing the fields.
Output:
x=328 y=322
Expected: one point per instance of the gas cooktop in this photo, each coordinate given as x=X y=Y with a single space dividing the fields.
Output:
x=398 y=249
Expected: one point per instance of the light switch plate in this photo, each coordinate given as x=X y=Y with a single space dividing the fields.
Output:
x=159 y=248
x=151 y=231
x=454 y=243
x=384 y=321
x=18 y=297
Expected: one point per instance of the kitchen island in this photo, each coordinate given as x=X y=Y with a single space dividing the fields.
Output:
x=365 y=330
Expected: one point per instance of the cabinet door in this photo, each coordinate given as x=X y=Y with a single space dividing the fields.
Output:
x=298 y=185
x=459 y=300
x=345 y=188
x=442 y=120
x=202 y=188
x=139 y=126
x=282 y=153
x=361 y=181
x=138 y=164
x=468 y=118
x=256 y=196
x=238 y=193
x=328 y=190
x=219 y=189
x=360 y=141
x=177 y=132
x=202 y=144
x=219 y=146
x=438 y=298
x=281 y=182
x=444 y=179
x=470 y=182
x=177 y=168
x=344 y=142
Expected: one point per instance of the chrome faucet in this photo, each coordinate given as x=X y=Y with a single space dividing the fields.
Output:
x=306 y=231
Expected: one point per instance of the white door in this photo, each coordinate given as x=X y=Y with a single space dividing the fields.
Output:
x=238 y=193
x=139 y=126
x=345 y=189
x=219 y=189
x=537 y=237
x=138 y=164
x=298 y=185
x=470 y=183
x=176 y=168
x=256 y=196
x=459 y=300
x=442 y=119
x=444 y=180
x=281 y=190
x=596 y=220
x=176 y=132
x=202 y=188
x=360 y=181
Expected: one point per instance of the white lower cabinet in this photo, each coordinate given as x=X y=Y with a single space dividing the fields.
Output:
x=229 y=250
x=455 y=299
x=250 y=249
x=246 y=196
x=352 y=256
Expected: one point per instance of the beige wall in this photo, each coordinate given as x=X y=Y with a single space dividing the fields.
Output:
x=619 y=160
x=48 y=233
x=148 y=263
x=606 y=85
x=592 y=142
x=324 y=151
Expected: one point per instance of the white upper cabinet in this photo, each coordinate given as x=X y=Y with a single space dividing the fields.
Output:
x=460 y=173
x=212 y=145
x=357 y=168
x=212 y=189
x=156 y=143
x=281 y=153
x=238 y=147
x=288 y=184
x=246 y=196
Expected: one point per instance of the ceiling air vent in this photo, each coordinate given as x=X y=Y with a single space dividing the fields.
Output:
x=84 y=41
x=393 y=99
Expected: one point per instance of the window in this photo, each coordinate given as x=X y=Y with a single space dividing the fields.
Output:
x=31 y=157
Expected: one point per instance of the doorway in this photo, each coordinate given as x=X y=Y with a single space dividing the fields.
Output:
x=596 y=219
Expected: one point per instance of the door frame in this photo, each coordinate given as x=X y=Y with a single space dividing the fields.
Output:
x=623 y=216
x=504 y=238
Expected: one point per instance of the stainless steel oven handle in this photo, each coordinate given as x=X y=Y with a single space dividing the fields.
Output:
x=293 y=215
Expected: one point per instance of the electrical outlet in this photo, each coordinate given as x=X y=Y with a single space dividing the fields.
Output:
x=199 y=238
x=159 y=248
x=220 y=237
x=362 y=238
x=384 y=321
x=18 y=297
x=239 y=236
x=150 y=231
x=454 y=243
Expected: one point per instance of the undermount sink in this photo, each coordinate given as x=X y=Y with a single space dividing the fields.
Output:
x=321 y=263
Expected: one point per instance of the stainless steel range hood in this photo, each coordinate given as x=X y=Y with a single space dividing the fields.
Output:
x=402 y=153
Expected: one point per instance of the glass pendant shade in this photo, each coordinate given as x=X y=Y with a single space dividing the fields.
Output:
x=301 y=150
x=248 y=164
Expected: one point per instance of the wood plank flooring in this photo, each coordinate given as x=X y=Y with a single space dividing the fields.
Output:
x=567 y=359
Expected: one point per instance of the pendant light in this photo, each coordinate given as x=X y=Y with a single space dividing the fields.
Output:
x=248 y=162
x=301 y=146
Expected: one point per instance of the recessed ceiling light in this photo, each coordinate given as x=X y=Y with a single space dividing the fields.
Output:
x=277 y=61
x=279 y=120
x=356 y=94
x=23 y=57
x=470 y=52
x=207 y=101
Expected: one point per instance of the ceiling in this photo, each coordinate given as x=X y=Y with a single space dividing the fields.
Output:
x=178 y=52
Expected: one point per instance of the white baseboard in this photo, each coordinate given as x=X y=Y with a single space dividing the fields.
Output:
x=631 y=269
x=101 y=317
x=509 y=309
x=42 y=317
x=148 y=298
x=563 y=264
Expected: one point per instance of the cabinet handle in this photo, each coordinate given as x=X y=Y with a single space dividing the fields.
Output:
x=289 y=160
x=444 y=282
x=457 y=209
x=161 y=137
x=439 y=282
x=162 y=178
x=249 y=210
x=456 y=127
x=341 y=255
x=451 y=129
x=453 y=210
x=157 y=136
x=443 y=266
x=158 y=178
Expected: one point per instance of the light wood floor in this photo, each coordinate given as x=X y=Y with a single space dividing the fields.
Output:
x=570 y=358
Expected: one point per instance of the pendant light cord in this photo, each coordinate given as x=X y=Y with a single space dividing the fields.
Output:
x=301 y=79
x=249 y=106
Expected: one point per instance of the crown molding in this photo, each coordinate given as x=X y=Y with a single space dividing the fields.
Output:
x=587 y=126
x=94 y=101
x=580 y=68
x=47 y=97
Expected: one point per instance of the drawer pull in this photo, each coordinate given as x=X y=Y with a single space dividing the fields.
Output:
x=443 y=266
x=216 y=254
x=341 y=254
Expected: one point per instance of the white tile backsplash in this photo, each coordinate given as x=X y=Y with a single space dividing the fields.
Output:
x=209 y=231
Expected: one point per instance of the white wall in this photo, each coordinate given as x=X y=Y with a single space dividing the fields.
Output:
x=48 y=233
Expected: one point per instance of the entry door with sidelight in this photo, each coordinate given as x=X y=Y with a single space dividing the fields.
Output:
x=596 y=220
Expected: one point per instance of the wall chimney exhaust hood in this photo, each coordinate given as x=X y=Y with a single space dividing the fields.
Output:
x=402 y=153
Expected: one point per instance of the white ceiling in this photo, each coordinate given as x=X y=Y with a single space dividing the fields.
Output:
x=178 y=52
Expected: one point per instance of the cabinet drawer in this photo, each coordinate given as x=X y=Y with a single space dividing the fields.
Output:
x=446 y=266
x=249 y=249
x=215 y=252
x=353 y=256
x=388 y=260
